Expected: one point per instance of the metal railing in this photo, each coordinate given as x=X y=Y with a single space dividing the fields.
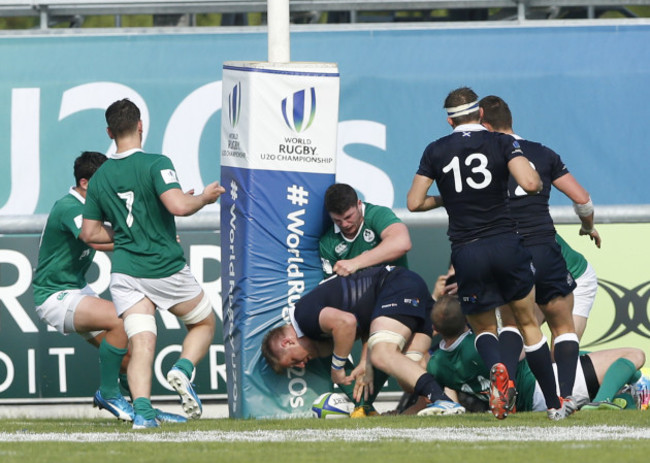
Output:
x=49 y=10
x=209 y=221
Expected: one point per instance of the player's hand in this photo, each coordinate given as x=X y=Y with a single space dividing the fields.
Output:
x=592 y=234
x=439 y=287
x=339 y=377
x=212 y=192
x=345 y=267
x=364 y=386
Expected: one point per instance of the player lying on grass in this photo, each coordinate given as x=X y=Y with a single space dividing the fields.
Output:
x=387 y=305
x=456 y=364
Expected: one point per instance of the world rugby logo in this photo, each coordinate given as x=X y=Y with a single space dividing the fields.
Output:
x=234 y=105
x=299 y=109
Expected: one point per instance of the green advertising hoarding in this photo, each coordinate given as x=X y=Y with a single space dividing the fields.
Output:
x=38 y=364
x=619 y=317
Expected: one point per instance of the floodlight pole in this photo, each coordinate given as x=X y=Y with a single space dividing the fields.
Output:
x=278 y=24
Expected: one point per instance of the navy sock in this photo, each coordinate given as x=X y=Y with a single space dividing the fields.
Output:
x=427 y=386
x=510 y=346
x=487 y=346
x=566 y=353
x=539 y=361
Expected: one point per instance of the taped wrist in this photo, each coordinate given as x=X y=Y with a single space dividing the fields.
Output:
x=584 y=210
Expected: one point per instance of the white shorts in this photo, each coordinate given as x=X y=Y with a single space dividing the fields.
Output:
x=585 y=292
x=126 y=291
x=58 y=310
x=579 y=389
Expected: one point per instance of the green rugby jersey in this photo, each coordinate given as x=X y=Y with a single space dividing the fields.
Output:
x=63 y=259
x=461 y=368
x=125 y=191
x=575 y=262
x=333 y=246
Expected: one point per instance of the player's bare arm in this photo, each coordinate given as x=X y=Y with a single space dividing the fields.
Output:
x=395 y=242
x=184 y=204
x=342 y=326
x=568 y=185
x=525 y=175
x=417 y=199
x=94 y=232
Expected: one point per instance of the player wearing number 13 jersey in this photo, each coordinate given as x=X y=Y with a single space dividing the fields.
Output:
x=138 y=193
x=471 y=167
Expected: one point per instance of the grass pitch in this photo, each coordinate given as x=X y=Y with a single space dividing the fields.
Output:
x=597 y=436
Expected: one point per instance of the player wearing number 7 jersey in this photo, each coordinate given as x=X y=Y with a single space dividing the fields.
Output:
x=139 y=194
x=471 y=167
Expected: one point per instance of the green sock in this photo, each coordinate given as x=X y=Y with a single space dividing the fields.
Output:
x=618 y=375
x=124 y=384
x=378 y=382
x=110 y=360
x=142 y=406
x=185 y=366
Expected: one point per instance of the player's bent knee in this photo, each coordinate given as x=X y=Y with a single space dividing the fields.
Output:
x=139 y=323
x=385 y=336
x=202 y=311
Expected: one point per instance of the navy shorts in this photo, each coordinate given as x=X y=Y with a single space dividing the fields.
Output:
x=405 y=294
x=552 y=278
x=492 y=272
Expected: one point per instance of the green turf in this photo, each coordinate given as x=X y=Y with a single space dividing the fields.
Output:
x=615 y=449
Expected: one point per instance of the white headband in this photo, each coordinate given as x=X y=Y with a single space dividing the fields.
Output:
x=462 y=110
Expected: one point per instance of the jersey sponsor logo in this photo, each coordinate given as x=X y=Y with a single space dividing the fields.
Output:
x=78 y=220
x=388 y=306
x=368 y=235
x=473 y=299
x=413 y=302
x=169 y=176
x=341 y=248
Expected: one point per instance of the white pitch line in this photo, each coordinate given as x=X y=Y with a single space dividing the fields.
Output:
x=463 y=434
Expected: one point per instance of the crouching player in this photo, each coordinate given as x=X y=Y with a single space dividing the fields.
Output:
x=388 y=306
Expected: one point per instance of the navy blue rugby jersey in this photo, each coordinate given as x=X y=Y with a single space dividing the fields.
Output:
x=356 y=294
x=531 y=212
x=470 y=168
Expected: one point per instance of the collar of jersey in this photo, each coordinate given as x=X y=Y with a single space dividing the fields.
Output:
x=294 y=323
x=456 y=343
x=350 y=240
x=125 y=154
x=469 y=128
x=76 y=194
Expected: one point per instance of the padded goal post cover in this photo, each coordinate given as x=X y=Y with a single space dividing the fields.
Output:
x=278 y=149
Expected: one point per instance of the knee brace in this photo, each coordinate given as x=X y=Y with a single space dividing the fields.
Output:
x=139 y=322
x=386 y=336
x=199 y=313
